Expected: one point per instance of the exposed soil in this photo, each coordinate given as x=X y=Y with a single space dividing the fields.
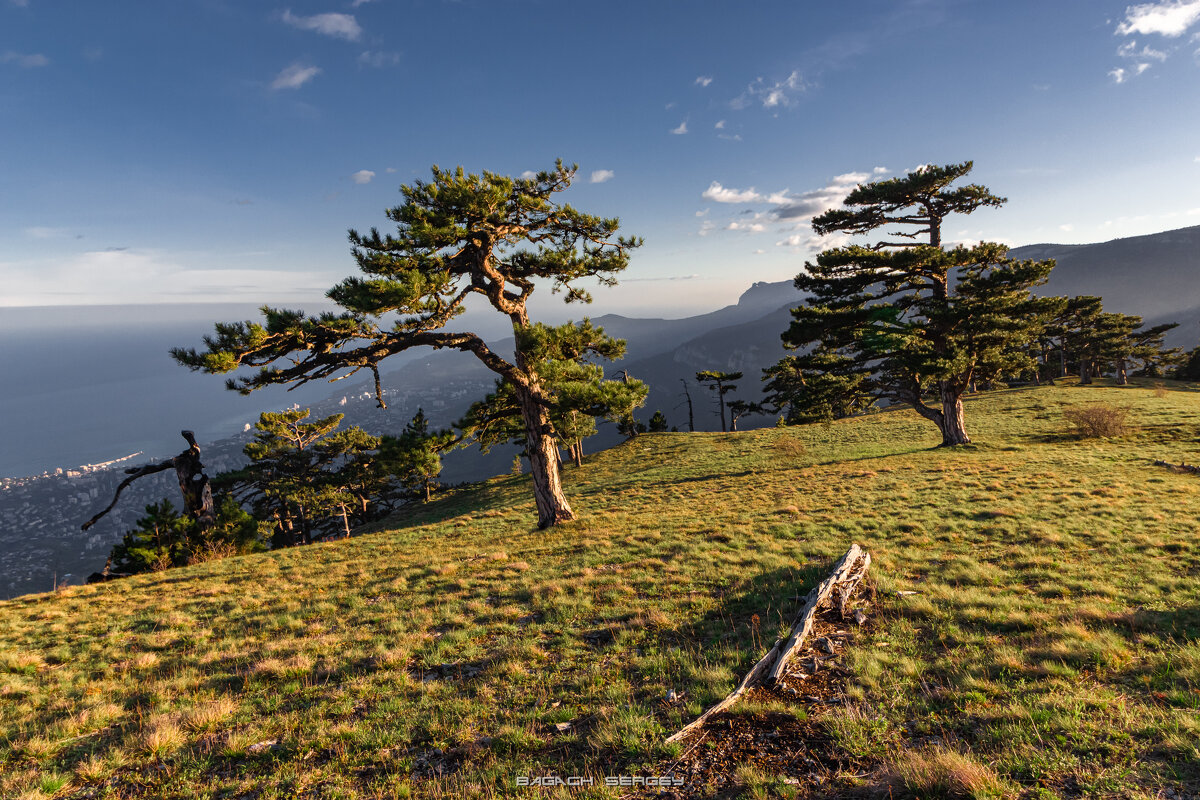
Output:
x=789 y=740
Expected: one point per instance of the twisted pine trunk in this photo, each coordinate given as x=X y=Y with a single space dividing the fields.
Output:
x=542 y=452
x=953 y=425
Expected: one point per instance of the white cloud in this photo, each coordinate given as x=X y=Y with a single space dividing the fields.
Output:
x=1169 y=18
x=358 y=3
x=772 y=95
x=378 y=59
x=343 y=26
x=720 y=194
x=1068 y=227
x=703 y=80
x=295 y=76
x=704 y=213
x=811 y=241
x=720 y=124
x=752 y=227
x=1130 y=50
x=881 y=170
x=390 y=170
x=1118 y=75
x=19 y=3
x=706 y=227
x=26 y=60
x=804 y=207
x=528 y=175
x=681 y=129
x=602 y=175
x=362 y=176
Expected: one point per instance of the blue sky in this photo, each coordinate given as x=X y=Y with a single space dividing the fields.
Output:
x=203 y=150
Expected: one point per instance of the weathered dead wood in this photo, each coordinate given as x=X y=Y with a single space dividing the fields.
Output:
x=772 y=665
x=1183 y=467
x=842 y=572
x=193 y=483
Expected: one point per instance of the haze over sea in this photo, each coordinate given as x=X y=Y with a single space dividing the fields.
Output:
x=83 y=385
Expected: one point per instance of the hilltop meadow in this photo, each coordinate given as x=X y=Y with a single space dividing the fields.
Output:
x=1045 y=644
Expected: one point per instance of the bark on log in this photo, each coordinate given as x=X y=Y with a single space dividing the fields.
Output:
x=772 y=665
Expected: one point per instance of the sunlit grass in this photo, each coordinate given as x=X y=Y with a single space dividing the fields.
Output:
x=1051 y=645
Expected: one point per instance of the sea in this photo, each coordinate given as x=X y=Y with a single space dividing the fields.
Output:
x=88 y=385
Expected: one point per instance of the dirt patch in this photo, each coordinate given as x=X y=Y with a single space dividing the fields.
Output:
x=780 y=730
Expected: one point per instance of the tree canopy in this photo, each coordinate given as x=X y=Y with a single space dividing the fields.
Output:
x=457 y=235
x=576 y=391
x=902 y=318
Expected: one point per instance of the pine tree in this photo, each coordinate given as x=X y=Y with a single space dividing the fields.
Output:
x=457 y=235
x=415 y=457
x=815 y=387
x=576 y=393
x=658 y=422
x=304 y=475
x=911 y=317
x=165 y=538
x=722 y=384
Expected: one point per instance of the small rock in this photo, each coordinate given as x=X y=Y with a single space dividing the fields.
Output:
x=859 y=616
x=825 y=644
x=562 y=727
x=259 y=747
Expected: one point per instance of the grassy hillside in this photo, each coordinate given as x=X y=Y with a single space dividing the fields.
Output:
x=1050 y=648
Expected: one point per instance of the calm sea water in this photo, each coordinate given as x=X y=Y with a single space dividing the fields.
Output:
x=86 y=385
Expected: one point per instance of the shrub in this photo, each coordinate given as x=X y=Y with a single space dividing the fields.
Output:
x=1102 y=420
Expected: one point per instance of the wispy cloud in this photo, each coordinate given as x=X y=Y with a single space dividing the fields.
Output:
x=118 y=275
x=682 y=129
x=26 y=60
x=1130 y=50
x=602 y=175
x=42 y=232
x=1170 y=18
x=1118 y=75
x=378 y=59
x=342 y=26
x=720 y=124
x=691 y=277
x=19 y=3
x=295 y=76
x=772 y=94
x=362 y=176
x=704 y=80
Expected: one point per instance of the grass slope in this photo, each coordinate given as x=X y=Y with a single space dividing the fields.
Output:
x=1050 y=648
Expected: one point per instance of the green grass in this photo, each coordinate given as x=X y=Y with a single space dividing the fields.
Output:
x=1051 y=647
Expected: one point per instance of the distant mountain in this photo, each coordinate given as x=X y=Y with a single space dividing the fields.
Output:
x=1156 y=276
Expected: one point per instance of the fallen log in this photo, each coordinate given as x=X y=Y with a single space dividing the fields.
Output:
x=850 y=569
x=1184 y=467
